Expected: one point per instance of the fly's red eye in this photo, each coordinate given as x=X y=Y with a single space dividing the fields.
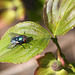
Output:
x=24 y=40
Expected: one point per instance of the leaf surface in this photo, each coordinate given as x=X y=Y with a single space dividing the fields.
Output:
x=45 y=65
x=59 y=16
x=37 y=42
x=48 y=65
x=72 y=67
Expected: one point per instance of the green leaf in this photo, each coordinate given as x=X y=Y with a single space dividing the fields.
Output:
x=44 y=61
x=18 y=54
x=59 y=16
x=72 y=67
x=44 y=65
x=48 y=65
x=71 y=74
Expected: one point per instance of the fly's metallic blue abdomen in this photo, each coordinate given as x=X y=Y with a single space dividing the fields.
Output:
x=14 y=40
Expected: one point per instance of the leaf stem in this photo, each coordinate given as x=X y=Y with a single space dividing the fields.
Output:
x=55 y=40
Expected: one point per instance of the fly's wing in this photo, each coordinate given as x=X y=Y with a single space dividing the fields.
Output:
x=10 y=46
x=13 y=35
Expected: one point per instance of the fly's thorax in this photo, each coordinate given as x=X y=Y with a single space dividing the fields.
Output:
x=20 y=38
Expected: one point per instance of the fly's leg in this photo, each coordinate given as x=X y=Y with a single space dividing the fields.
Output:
x=22 y=46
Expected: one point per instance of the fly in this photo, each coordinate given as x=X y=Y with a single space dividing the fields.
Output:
x=17 y=39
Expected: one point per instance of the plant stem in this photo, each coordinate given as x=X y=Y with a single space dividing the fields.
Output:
x=55 y=40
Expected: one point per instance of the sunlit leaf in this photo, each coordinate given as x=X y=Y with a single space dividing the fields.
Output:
x=59 y=15
x=40 y=39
